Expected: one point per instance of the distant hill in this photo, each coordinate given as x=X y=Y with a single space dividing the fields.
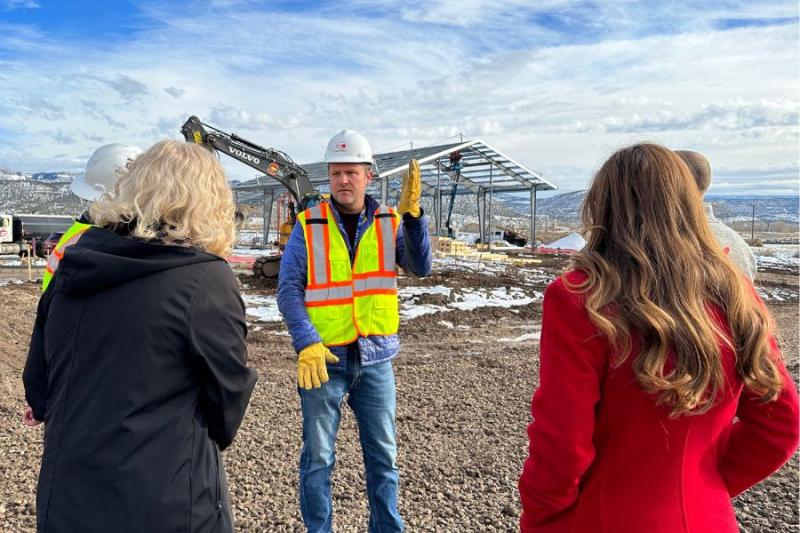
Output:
x=32 y=196
x=48 y=192
x=767 y=208
x=567 y=206
x=39 y=192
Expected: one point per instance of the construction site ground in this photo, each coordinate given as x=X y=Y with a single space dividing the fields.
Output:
x=468 y=367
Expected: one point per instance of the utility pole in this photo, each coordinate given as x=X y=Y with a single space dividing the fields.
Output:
x=753 y=224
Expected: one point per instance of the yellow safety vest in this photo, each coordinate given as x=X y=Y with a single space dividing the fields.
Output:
x=70 y=237
x=345 y=301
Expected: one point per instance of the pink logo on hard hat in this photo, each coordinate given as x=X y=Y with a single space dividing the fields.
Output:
x=341 y=146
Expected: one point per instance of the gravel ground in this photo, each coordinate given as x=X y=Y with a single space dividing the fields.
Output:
x=464 y=388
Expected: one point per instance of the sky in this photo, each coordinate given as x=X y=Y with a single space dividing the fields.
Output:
x=557 y=85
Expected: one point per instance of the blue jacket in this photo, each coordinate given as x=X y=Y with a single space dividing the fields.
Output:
x=413 y=254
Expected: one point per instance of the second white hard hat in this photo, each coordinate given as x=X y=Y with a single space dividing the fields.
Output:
x=102 y=170
x=348 y=146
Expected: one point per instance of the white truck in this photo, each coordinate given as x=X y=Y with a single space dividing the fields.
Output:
x=26 y=233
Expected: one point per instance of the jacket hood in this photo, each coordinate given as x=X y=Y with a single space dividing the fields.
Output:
x=102 y=259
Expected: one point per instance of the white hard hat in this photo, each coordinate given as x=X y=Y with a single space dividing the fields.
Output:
x=348 y=146
x=102 y=170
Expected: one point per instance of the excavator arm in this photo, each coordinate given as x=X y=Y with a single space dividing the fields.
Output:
x=269 y=161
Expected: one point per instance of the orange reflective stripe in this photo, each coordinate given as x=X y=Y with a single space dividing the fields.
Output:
x=330 y=285
x=379 y=235
x=316 y=234
x=370 y=292
x=325 y=303
x=310 y=244
x=345 y=343
x=385 y=233
x=58 y=252
x=367 y=275
x=326 y=235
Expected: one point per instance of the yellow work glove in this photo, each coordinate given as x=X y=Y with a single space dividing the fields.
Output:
x=311 y=371
x=411 y=191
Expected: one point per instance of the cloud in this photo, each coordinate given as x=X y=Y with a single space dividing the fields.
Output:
x=228 y=117
x=63 y=138
x=174 y=92
x=127 y=87
x=38 y=106
x=11 y=5
x=556 y=85
x=729 y=115
x=94 y=110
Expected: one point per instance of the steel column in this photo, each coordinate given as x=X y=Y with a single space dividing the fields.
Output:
x=481 y=197
x=490 y=217
x=533 y=216
x=437 y=198
x=269 y=199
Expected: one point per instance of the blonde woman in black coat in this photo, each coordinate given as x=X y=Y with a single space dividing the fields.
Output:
x=137 y=363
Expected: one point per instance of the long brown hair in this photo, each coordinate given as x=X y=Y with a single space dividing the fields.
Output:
x=653 y=267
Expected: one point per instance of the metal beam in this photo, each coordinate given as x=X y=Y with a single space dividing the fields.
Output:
x=490 y=218
x=481 y=198
x=508 y=171
x=432 y=157
x=430 y=190
x=534 y=189
x=538 y=176
x=269 y=199
x=437 y=201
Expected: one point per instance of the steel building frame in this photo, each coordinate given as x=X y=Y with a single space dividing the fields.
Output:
x=485 y=171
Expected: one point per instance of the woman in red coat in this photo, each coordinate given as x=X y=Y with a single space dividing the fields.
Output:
x=662 y=391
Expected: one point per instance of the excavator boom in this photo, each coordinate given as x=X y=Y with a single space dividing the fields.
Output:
x=269 y=161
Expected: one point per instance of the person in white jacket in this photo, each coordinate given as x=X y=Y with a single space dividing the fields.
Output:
x=733 y=243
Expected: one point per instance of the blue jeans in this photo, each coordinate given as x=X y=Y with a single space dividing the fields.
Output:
x=371 y=395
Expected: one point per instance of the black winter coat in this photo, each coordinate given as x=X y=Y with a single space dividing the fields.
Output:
x=137 y=367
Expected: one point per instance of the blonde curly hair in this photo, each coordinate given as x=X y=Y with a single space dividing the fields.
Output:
x=176 y=192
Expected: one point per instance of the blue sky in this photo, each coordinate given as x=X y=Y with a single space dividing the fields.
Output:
x=556 y=84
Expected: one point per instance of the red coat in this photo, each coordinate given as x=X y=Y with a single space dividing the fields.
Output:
x=604 y=458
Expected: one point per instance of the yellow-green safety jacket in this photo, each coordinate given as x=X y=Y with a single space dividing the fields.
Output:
x=70 y=237
x=343 y=301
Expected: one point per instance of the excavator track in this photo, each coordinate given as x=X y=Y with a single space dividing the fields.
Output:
x=267 y=267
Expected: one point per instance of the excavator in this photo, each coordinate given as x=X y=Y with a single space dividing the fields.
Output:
x=269 y=161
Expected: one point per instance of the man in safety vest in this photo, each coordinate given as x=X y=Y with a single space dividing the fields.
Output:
x=337 y=292
x=100 y=176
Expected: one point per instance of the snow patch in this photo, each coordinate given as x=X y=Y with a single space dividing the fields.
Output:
x=500 y=297
x=407 y=293
x=416 y=310
x=263 y=308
